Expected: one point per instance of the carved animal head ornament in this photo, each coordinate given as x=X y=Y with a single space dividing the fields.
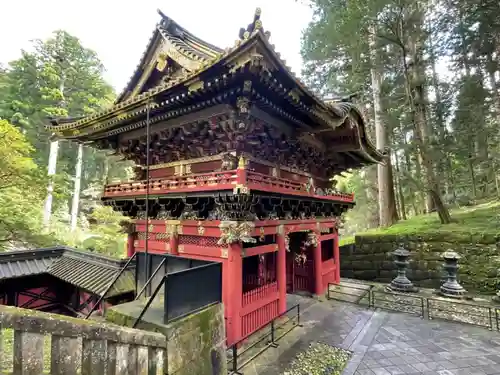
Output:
x=243 y=105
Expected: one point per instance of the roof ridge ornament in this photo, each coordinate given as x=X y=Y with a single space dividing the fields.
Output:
x=254 y=27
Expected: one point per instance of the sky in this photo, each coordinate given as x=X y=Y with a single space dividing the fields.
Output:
x=120 y=30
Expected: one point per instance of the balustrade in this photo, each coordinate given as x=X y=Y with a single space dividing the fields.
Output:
x=222 y=180
x=260 y=293
x=77 y=346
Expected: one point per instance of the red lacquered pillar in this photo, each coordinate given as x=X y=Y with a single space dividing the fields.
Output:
x=234 y=292
x=130 y=244
x=318 y=277
x=173 y=243
x=336 y=256
x=241 y=173
x=281 y=271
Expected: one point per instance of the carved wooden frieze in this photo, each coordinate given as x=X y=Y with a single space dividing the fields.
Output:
x=234 y=231
x=237 y=131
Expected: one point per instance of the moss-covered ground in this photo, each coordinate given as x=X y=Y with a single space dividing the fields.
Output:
x=319 y=359
x=480 y=224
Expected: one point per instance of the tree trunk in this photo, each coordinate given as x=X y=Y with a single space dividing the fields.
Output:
x=386 y=199
x=392 y=190
x=54 y=149
x=400 y=189
x=443 y=161
x=416 y=97
x=47 y=211
x=105 y=173
x=76 y=191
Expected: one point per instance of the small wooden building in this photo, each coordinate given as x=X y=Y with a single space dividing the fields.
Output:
x=235 y=158
x=63 y=280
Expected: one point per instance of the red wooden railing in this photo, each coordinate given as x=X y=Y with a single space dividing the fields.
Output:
x=214 y=180
x=260 y=306
x=286 y=184
x=175 y=183
x=283 y=183
x=253 y=281
x=260 y=293
x=257 y=319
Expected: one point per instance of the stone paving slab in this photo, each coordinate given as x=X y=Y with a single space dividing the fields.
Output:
x=385 y=343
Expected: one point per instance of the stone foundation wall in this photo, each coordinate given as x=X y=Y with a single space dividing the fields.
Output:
x=196 y=344
x=370 y=259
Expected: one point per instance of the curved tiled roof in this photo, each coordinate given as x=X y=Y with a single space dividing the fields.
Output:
x=325 y=112
x=89 y=271
x=185 y=42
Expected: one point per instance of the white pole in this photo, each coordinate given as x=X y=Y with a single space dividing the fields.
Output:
x=76 y=191
x=47 y=211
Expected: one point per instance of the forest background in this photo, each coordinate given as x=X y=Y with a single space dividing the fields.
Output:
x=440 y=131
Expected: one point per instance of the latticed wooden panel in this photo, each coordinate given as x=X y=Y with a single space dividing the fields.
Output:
x=198 y=240
x=162 y=237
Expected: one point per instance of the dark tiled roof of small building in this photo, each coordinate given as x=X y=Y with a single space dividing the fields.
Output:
x=92 y=274
x=89 y=271
x=27 y=262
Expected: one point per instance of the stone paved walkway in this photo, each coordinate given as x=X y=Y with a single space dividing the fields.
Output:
x=385 y=343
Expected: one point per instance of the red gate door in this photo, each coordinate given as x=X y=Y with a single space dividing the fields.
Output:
x=304 y=276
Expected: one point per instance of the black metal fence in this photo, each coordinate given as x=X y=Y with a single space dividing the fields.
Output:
x=192 y=289
x=247 y=349
x=186 y=285
x=425 y=307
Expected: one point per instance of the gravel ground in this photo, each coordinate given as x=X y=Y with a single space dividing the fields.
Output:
x=319 y=359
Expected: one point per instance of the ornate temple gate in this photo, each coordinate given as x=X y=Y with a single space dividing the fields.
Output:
x=239 y=163
x=254 y=257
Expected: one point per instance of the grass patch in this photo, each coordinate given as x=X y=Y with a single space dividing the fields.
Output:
x=480 y=223
x=346 y=240
x=319 y=359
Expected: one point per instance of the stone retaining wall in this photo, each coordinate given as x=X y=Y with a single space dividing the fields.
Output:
x=370 y=259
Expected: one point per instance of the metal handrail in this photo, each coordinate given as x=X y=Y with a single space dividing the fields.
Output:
x=110 y=285
x=271 y=343
x=151 y=278
x=490 y=318
x=153 y=296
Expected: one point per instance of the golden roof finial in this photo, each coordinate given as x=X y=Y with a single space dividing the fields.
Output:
x=255 y=26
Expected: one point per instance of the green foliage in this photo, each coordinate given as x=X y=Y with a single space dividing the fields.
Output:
x=364 y=214
x=22 y=190
x=58 y=77
x=106 y=232
x=462 y=107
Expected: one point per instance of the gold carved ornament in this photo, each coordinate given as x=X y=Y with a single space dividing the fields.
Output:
x=161 y=62
x=312 y=239
x=281 y=231
x=241 y=189
x=287 y=242
x=201 y=228
x=234 y=231
x=224 y=253
x=262 y=233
